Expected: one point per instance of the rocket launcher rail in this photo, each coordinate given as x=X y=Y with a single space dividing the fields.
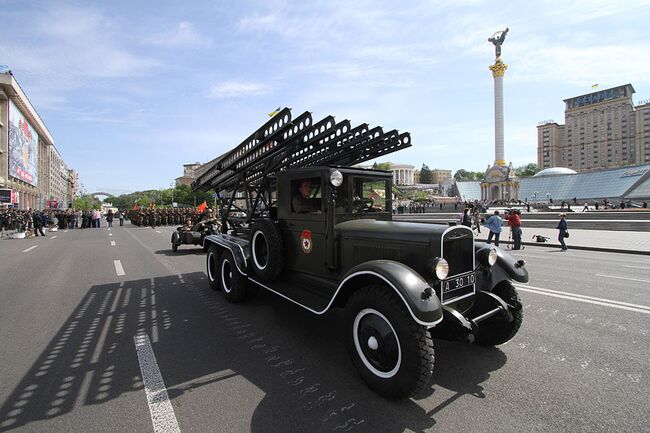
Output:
x=283 y=143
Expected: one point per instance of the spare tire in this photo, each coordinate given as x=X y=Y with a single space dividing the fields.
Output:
x=267 y=250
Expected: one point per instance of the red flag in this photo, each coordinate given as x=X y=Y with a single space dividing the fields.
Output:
x=202 y=207
x=135 y=206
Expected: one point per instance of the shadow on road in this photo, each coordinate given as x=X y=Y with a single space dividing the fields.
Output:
x=296 y=359
x=183 y=250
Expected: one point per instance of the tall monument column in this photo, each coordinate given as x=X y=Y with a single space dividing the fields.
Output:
x=500 y=183
x=498 y=71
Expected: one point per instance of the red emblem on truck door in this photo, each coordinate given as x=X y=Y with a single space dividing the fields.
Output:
x=305 y=241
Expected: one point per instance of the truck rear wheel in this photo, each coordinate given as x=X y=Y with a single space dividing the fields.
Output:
x=267 y=252
x=393 y=354
x=233 y=283
x=497 y=330
x=212 y=265
x=175 y=241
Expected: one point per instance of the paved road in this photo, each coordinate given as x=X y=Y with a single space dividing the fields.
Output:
x=90 y=316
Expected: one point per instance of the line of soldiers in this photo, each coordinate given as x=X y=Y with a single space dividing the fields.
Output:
x=23 y=219
x=162 y=217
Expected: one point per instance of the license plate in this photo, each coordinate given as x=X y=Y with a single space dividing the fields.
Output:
x=455 y=283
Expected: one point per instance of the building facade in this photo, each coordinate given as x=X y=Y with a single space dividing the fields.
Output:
x=30 y=165
x=601 y=130
x=190 y=173
x=403 y=174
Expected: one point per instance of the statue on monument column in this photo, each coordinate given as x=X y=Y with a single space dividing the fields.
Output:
x=497 y=39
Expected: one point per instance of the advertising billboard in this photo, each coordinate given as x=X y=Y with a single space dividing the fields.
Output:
x=5 y=196
x=23 y=147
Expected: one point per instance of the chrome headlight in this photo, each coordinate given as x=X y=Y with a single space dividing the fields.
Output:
x=440 y=268
x=492 y=256
x=487 y=256
x=336 y=178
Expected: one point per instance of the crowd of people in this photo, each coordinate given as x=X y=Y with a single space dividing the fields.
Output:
x=163 y=217
x=24 y=220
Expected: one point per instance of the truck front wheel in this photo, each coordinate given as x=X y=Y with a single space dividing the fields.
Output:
x=393 y=354
x=175 y=241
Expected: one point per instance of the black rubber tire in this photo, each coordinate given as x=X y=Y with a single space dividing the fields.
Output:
x=267 y=250
x=231 y=281
x=497 y=330
x=413 y=367
x=175 y=242
x=212 y=260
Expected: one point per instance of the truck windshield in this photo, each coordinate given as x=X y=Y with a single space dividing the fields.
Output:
x=369 y=195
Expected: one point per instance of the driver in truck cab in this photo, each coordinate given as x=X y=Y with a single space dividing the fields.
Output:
x=302 y=201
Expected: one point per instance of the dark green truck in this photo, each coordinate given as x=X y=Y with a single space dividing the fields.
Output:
x=319 y=233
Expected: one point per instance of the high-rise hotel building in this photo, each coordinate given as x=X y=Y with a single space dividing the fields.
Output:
x=601 y=130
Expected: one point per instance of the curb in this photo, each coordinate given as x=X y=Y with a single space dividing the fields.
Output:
x=576 y=247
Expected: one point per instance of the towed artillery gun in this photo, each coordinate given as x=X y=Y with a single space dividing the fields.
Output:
x=300 y=220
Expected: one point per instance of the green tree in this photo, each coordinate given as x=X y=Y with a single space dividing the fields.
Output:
x=465 y=175
x=527 y=170
x=86 y=202
x=425 y=174
x=381 y=166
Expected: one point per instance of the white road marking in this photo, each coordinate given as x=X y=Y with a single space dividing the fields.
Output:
x=162 y=412
x=110 y=234
x=158 y=231
x=587 y=299
x=109 y=229
x=54 y=237
x=65 y=231
x=112 y=243
x=118 y=267
x=623 y=278
x=29 y=249
x=636 y=267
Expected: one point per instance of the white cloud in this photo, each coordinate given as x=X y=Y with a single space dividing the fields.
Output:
x=182 y=35
x=238 y=89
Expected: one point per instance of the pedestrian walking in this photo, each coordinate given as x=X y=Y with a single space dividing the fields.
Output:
x=466 y=219
x=38 y=224
x=494 y=225
x=109 y=218
x=477 y=219
x=121 y=215
x=563 y=231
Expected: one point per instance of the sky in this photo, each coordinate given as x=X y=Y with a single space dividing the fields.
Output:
x=132 y=90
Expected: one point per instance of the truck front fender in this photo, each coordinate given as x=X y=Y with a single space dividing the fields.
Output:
x=506 y=268
x=418 y=297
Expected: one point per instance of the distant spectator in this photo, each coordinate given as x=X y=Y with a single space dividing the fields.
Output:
x=121 y=215
x=494 y=225
x=596 y=204
x=466 y=219
x=563 y=230
x=514 y=221
x=477 y=219
x=645 y=204
x=109 y=218
x=585 y=208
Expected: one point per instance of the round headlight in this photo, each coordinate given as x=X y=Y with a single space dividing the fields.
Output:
x=336 y=178
x=492 y=257
x=441 y=268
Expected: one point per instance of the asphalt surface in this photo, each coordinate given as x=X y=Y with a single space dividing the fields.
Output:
x=75 y=338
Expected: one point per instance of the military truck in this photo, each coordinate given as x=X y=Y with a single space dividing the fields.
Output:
x=302 y=220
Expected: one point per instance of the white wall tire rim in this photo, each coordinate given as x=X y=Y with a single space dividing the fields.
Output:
x=225 y=286
x=362 y=356
x=254 y=250
x=211 y=266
